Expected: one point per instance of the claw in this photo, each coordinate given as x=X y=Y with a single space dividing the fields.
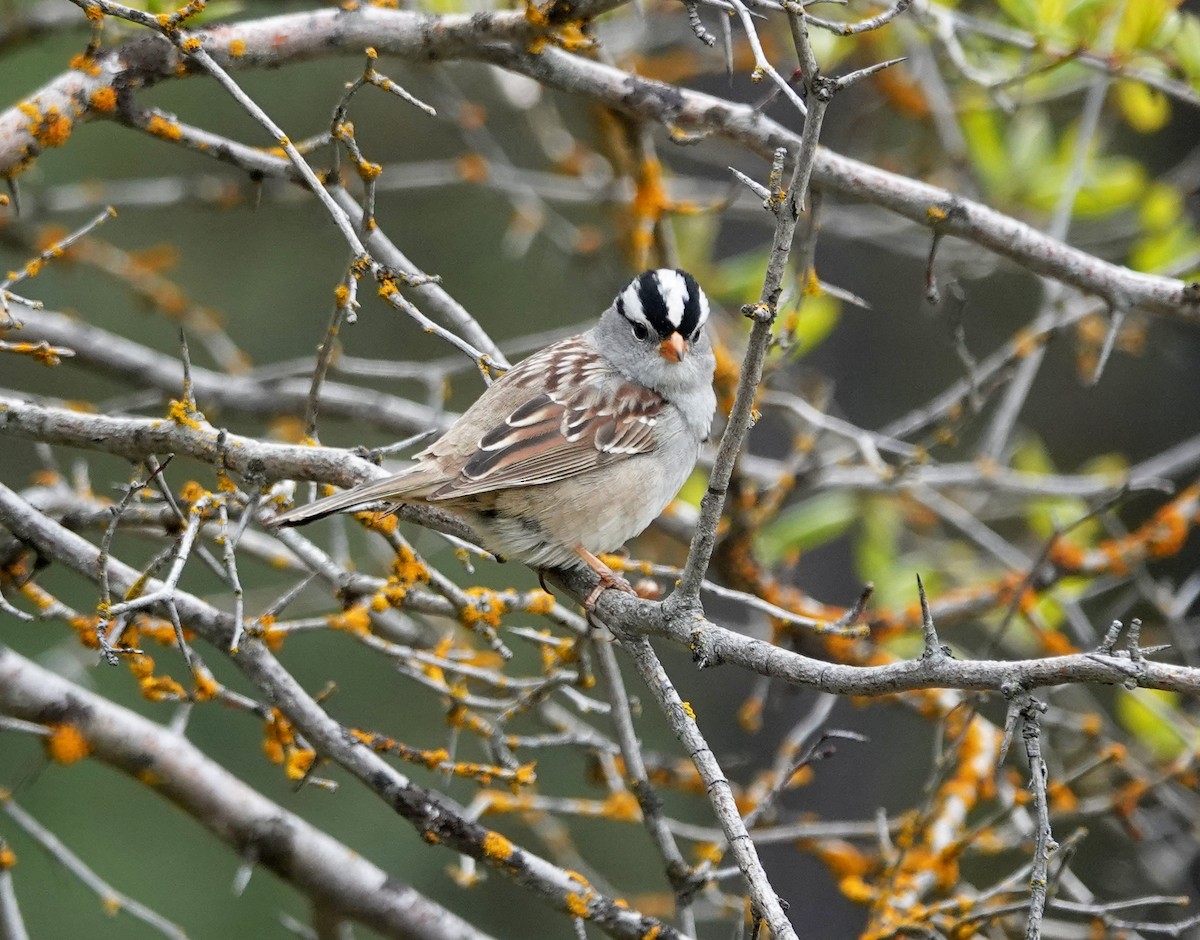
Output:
x=608 y=578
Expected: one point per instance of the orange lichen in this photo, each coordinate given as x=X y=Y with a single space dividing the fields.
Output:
x=622 y=806
x=273 y=637
x=192 y=492
x=206 y=687
x=160 y=688
x=161 y=126
x=1067 y=555
x=471 y=116
x=588 y=239
x=50 y=127
x=577 y=904
x=85 y=631
x=1062 y=798
x=41 y=352
x=181 y=413
x=356 y=619
x=385 y=523
x=472 y=168
x=903 y=93
x=540 y=603
x=857 y=890
x=1167 y=533
x=280 y=746
x=407 y=568
x=85 y=63
x=496 y=847
x=1056 y=643
x=489 y=606
x=66 y=744
x=299 y=762
x=650 y=201
x=844 y=860
x=749 y=715
x=708 y=852
x=237 y=48
x=103 y=100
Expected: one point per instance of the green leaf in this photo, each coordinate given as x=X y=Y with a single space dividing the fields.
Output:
x=878 y=557
x=737 y=280
x=1022 y=12
x=1147 y=25
x=1168 y=236
x=1186 y=47
x=693 y=490
x=1162 y=250
x=1045 y=515
x=810 y=324
x=1146 y=714
x=807 y=525
x=1086 y=18
x=1161 y=209
x=1145 y=109
x=1030 y=143
x=696 y=235
x=985 y=143
x=1112 y=184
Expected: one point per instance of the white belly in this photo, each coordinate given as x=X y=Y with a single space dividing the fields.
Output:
x=599 y=510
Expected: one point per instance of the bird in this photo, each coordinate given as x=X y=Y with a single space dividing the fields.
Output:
x=577 y=448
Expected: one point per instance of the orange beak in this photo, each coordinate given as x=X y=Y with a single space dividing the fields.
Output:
x=673 y=348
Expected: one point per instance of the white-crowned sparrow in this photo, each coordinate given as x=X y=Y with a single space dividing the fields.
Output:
x=579 y=447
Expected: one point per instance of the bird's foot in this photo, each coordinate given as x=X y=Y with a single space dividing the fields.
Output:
x=608 y=579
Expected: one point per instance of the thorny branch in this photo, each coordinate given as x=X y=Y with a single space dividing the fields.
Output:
x=283 y=39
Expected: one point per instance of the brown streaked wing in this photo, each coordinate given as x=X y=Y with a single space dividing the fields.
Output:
x=558 y=434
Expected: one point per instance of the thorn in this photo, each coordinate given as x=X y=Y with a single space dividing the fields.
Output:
x=933 y=648
x=1116 y=315
x=855 y=77
x=754 y=186
x=1110 y=638
x=851 y=616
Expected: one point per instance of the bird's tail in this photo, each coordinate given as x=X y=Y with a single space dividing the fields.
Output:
x=388 y=488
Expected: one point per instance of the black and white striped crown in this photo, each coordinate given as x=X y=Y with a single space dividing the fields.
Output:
x=666 y=300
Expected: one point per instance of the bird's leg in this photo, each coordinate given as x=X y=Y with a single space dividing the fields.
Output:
x=608 y=578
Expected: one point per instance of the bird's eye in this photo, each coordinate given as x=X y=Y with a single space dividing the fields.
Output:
x=696 y=336
x=640 y=332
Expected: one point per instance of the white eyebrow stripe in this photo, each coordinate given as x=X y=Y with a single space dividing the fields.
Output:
x=675 y=294
x=631 y=305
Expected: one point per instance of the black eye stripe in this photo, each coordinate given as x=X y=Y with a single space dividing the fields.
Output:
x=654 y=305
